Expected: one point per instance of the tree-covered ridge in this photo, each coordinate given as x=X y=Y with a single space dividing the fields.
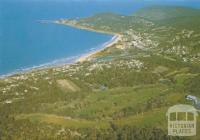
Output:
x=157 y=13
x=121 y=93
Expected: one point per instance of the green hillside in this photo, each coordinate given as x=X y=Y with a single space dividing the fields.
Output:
x=156 y=13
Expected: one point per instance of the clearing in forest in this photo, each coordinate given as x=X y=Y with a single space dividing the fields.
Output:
x=67 y=85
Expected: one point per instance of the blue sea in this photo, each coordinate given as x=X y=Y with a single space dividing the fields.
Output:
x=27 y=43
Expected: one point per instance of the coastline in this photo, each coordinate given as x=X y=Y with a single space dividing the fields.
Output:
x=116 y=38
x=84 y=28
x=44 y=66
x=108 y=44
x=68 y=60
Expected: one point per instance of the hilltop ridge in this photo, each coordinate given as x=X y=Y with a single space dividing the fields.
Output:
x=156 y=13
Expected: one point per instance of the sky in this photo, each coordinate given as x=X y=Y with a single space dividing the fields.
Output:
x=120 y=0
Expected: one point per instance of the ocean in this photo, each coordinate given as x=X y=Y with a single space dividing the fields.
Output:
x=27 y=43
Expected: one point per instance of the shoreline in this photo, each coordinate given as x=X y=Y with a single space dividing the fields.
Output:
x=68 y=60
x=108 y=44
x=84 y=28
x=48 y=65
x=116 y=37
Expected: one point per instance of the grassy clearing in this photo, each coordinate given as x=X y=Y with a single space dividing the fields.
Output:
x=62 y=121
x=67 y=85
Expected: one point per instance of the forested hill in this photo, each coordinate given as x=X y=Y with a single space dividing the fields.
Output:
x=178 y=17
x=156 y=13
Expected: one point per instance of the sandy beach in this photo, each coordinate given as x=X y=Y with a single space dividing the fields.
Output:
x=89 y=55
x=110 y=43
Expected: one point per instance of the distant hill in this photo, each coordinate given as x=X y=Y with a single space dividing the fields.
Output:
x=155 y=13
x=178 y=17
x=114 y=22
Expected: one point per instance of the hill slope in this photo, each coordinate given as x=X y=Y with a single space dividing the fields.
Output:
x=156 y=13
